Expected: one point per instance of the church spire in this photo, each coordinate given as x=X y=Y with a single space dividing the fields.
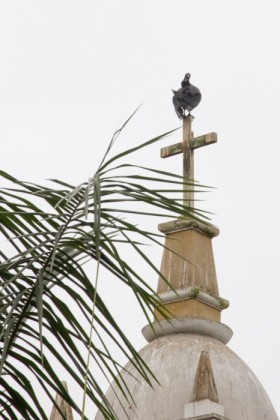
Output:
x=204 y=387
x=64 y=407
x=204 y=404
x=190 y=294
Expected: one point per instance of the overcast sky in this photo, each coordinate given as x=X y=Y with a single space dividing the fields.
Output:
x=72 y=71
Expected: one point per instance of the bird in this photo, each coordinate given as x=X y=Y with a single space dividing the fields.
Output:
x=186 y=98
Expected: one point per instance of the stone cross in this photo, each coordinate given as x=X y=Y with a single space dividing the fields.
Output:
x=187 y=147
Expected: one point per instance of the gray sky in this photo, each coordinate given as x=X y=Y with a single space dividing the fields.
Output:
x=72 y=71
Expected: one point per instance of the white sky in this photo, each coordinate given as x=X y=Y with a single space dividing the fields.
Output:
x=72 y=71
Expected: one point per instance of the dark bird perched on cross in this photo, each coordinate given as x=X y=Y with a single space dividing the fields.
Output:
x=186 y=98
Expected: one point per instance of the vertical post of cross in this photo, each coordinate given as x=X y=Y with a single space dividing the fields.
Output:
x=188 y=161
x=187 y=147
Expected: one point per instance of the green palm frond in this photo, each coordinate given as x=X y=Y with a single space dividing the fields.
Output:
x=47 y=297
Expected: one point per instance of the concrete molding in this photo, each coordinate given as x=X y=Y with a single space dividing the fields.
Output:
x=185 y=224
x=188 y=325
x=211 y=416
x=203 y=408
x=193 y=293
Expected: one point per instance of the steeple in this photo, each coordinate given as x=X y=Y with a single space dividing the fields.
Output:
x=188 y=287
x=204 y=403
x=204 y=387
x=63 y=406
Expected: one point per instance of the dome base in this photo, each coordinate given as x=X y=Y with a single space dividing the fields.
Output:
x=188 y=325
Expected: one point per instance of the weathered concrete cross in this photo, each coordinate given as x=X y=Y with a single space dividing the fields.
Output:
x=187 y=147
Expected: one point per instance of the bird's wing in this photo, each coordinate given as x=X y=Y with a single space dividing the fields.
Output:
x=177 y=106
x=180 y=96
x=194 y=91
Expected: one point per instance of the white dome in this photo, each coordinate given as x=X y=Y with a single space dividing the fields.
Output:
x=174 y=359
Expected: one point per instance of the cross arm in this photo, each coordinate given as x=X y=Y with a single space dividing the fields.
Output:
x=195 y=143
x=204 y=140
